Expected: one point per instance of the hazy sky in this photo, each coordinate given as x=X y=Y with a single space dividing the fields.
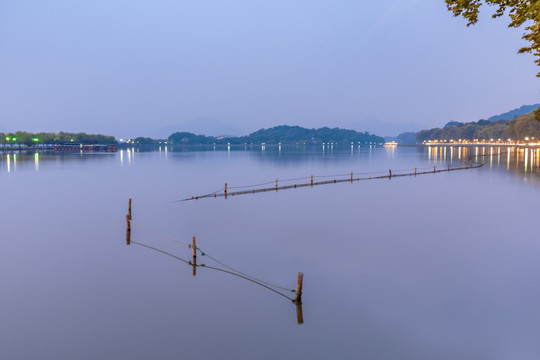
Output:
x=132 y=68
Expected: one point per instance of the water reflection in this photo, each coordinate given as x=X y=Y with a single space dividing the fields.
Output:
x=521 y=160
x=30 y=160
x=406 y=285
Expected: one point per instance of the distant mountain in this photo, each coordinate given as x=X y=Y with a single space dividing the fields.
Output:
x=408 y=138
x=512 y=114
x=389 y=128
x=282 y=134
x=209 y=126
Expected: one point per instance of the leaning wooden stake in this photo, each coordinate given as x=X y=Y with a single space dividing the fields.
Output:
x=299 y=283
x=225 y=190
x=414 y=171
x=129 y=209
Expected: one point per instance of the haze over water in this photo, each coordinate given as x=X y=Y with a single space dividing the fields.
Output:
x=439 y=266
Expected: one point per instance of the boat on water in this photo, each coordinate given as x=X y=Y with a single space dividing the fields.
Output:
x=390 y=144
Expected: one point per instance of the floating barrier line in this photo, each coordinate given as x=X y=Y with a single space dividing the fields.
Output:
x=350 y=178
x=189 y=263
x=266 y=183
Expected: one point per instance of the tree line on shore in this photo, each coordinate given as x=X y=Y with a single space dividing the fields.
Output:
x=519 y=129
x=279 y=134
x=28 y=139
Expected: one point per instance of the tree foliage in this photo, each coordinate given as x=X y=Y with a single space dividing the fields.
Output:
x=27 y=138
x=516 y=129
x=282 y=134
x=520 y=12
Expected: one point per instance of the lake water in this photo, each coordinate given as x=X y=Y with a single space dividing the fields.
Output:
x=438 y=266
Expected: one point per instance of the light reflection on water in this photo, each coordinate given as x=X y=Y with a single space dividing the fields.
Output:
x=521 y=160
x=518 y=159
x=404 y=268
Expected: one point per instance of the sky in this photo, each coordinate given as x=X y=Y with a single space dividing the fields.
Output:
x=148 y=68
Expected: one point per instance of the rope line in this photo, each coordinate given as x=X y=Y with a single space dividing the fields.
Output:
x=240 y=272
x=203 y=253
x=161 y=235
x=189 y=263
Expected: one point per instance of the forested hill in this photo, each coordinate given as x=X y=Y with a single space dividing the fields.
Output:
x=516 y=129
x=513 y=114
x=282 y=134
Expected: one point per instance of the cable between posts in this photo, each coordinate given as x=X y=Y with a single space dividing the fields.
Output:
x=212 y=268
x=240 y=272
x=213 y=258
x=160 y=235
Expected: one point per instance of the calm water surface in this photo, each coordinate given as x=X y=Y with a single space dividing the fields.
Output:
x=439 y=266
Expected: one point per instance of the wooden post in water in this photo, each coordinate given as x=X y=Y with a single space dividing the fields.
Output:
x=434 y=169
x=128 y=230
x=351 y=177
x=276 y=183
x=414 y=171
x=299 y=284
x=129 y=209
x=194 y=247
x=311 y=180
x=225 y=190
x=390 y=171
x=299 y=315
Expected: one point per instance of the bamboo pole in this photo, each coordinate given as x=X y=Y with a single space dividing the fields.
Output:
x=194 y=247
x=129 y=209
x=311 y=180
